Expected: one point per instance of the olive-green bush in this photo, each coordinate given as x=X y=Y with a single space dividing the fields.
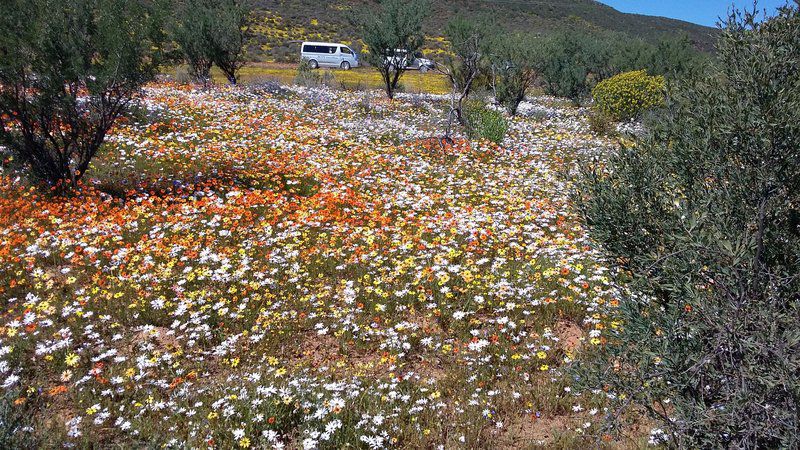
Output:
x=484 y=123
x=628 y=95
x=704 y=213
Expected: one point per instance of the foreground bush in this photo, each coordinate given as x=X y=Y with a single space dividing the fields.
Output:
x=68 y=71
x=705 y=213
x=628 y=95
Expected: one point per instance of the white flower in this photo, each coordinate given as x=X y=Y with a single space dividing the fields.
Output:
x=10 y=381
x=333 y=425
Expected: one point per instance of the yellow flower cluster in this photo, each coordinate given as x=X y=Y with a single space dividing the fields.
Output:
x=628 y=95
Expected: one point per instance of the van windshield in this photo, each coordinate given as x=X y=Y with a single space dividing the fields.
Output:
x=346 y=50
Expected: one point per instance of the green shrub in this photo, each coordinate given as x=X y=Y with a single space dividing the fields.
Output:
x=573 y=59
x=704 y=212
x=484 y=123
x=628 y=95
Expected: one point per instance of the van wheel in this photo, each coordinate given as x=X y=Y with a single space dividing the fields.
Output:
x=423 y=69
x=313 y=64
x=345 y=65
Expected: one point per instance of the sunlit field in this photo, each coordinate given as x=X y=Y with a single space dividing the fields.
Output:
x=305 y=268
x=362 y=78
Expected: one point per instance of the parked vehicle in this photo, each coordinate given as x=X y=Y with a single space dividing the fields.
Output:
x=416 y=62
x=328 y=54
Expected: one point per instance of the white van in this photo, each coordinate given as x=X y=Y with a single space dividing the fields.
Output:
x=328 y=54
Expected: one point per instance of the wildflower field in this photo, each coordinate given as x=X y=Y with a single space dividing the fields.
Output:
x=304 y=268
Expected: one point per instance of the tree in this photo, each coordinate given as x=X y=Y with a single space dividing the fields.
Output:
x=516 y=61
x=704 y=211
x=192 y=32
x=569 y=63
x=211 y=32
x=392 y=34
x=228 y=31
x=468 y=44
x=68 y=71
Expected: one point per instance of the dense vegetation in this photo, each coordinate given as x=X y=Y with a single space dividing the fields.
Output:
x=705 y=213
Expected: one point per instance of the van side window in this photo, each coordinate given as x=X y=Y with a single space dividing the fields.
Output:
x=317 y=49
x=346 y=50
x=332 y=50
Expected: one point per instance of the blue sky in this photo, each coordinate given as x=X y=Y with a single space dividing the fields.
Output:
x=704 y=12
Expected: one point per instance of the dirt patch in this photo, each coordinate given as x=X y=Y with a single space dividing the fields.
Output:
x=424 y=369
x=530 y=431
x=58 y=412
x=570 y=335
x=315 y=350
x=318 y=351
x=160 y=336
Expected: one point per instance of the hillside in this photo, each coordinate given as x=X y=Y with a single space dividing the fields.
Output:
x=277 y=23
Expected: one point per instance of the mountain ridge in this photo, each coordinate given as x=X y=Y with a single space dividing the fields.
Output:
x=278 y=23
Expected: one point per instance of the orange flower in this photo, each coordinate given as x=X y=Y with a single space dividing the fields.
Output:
x=60 y=389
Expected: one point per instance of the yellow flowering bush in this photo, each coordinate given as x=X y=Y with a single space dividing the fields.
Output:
x=629 y=94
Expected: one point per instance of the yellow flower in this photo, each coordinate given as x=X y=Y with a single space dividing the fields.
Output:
x=541 y=355
x=212 y=415
x=244 y=442
x=467 y=276
x=72 y=360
